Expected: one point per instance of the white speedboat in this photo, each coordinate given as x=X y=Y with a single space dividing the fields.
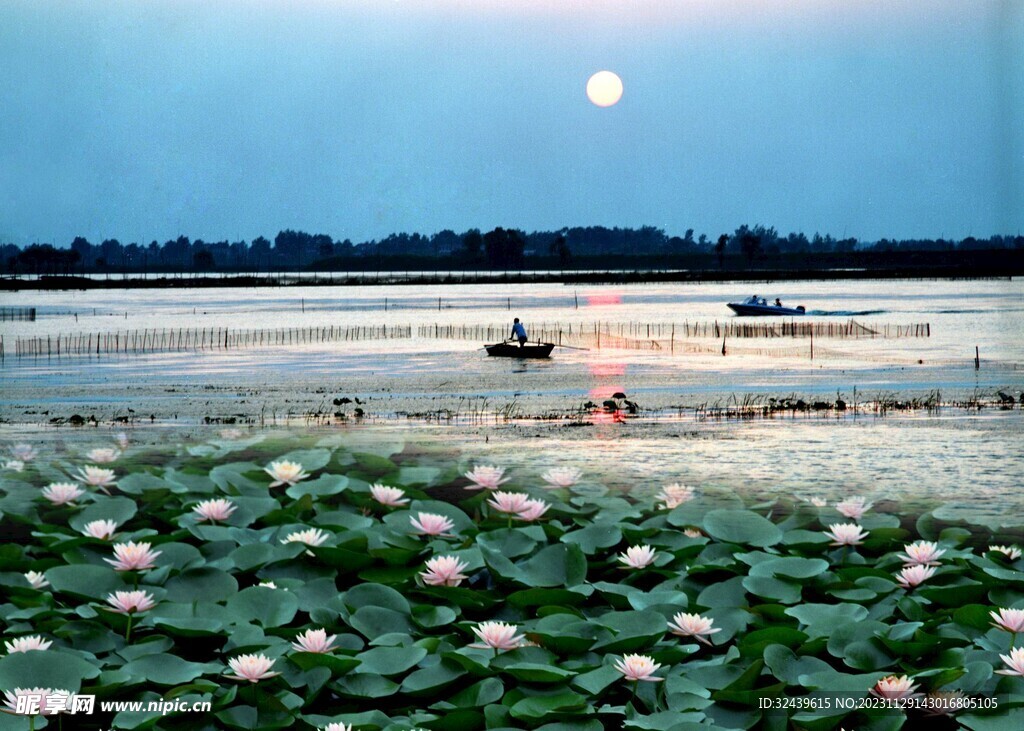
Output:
x=759 y=307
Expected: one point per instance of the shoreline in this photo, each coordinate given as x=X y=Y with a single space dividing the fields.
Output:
x=951 y=272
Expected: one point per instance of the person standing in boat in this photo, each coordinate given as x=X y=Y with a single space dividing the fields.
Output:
x=518 y=332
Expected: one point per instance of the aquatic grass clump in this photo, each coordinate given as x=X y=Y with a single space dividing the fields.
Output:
x=369 y=584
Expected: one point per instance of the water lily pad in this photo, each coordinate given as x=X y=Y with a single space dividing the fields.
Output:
x=83 y=580
x=269 y=607
x=118 y=509
x=202 y=584
x=166 y=669
x=50 y=669
x=741 y=526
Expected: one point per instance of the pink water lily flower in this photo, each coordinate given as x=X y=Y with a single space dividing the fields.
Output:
x=562 y=477
x=252 y=668
x=1012 y=620
x=444 y=571
x=285 y=473
x=24 y=452
x=337 y=727
x=893 y=686
x=36 y=579
x=103 y=455
x=268 y=584
x=674 y=495
x=314 y=640
x=1014 y=662
x=498 y=635
x=637 y=557
x=130 y=602
x=692 y=533
x=921 y=552
x=637 y=668
x=62 y=493
x=508 y=502
x=693 y=625
x=32 y=694
x=431 y=524
x=911 y=576
x=486 y=477
x=1011 y=552
x=533 y=510
x=393 y=497
x=96 y=477
x=102 y=529
x=28 y=644
x=818 y=502
x=133 y=556
x=846 y=534
x=214 y=510
x=854 y=508
x=15 y=465
x=310 y=536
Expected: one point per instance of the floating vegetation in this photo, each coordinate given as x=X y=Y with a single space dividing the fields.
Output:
x=359 y=579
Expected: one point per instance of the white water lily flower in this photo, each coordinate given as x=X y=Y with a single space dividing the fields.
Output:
x=214 y=510
x=508 y=502
x=637 y=557
x=911 y=576
x=854 y=508
x=893 y=686
x=444 y=571
x=693 y=625
x=285 y=473
x=393 y=497
x=96 y=477
x=921 y=552
x=62 y=493
x=103 y=455
x=37 y=579
x=130 y=602
x=102 y=529
x=674 y=495
x=559 y=477
x=252 y=668
x=314 y=640
x=846 y=534
x=637 y=668
x=310 y=536
x=431 y=524
x=486 y=477
x=28 y=644
x=498 y=635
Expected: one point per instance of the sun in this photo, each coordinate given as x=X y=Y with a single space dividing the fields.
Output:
x=604 y=89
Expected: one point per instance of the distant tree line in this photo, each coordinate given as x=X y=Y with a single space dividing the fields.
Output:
x=498 y=249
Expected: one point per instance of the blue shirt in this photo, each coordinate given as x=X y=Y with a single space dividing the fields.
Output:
x=518 y=330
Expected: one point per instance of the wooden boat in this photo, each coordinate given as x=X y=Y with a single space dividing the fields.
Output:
x=513 y=350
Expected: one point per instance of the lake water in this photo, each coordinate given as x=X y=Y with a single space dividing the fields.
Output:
x=451 y=386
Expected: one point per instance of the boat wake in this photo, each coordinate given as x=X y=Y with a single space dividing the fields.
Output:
x=845 y=313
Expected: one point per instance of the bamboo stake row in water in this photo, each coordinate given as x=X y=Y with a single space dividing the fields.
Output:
x=679 y=331
x=18 y=313
x=189 y=339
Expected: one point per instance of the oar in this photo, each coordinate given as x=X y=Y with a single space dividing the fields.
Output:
x=570 y=347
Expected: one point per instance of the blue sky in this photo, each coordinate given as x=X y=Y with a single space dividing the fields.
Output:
x=145 y=120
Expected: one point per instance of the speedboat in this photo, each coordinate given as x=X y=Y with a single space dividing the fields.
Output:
x=754 y=307
x=514 y=350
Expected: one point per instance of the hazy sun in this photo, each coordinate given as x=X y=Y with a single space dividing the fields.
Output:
x=604 y=88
